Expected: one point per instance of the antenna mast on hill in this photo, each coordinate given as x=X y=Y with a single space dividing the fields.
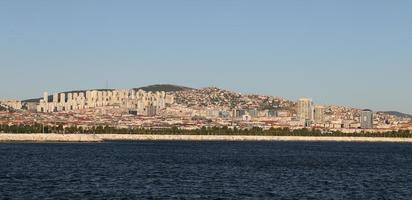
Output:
x=107 y=84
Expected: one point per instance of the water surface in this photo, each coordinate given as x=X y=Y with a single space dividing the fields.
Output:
x=206 y=170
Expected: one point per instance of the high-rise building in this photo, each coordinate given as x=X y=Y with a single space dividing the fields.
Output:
x=45 y=97
x=151 y=111
x=237 y=113
x=131 y=99
x=62 y=97
x=305 y=109
x=366 y=119
x=55 y=98
x=319 y=114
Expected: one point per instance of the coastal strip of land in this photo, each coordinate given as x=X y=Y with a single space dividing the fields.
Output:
x=40 y=137
x=132 y=137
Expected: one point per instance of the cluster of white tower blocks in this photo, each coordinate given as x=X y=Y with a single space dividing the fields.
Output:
x=137 y=100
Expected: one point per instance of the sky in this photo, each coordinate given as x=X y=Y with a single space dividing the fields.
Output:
x=353 y=53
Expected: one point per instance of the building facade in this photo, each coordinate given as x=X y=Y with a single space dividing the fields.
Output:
x=319 y=114
x=14 y=104
x=305 y=109
x=139 y=101
x=366 y=119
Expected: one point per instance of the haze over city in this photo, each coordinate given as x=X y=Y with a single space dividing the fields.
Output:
x=335 y=52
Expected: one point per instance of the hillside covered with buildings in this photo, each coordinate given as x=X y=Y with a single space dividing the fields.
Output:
x=167 y=106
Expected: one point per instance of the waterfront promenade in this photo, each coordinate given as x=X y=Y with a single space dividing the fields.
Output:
x=131 y=137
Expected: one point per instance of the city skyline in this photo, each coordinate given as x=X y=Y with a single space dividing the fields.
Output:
x=168 y=106
x=319 y=102
x=338 y=53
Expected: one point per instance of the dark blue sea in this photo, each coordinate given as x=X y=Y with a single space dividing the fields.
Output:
x=206 y=170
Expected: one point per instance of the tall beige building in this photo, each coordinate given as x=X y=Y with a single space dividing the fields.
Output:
x=45 y=97
x=305 y=109
x=319 y=114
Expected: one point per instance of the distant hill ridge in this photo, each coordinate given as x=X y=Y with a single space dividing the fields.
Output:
x=396 y=113
x=164 y=87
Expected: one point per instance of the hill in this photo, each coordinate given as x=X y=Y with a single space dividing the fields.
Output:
x=398 y=114
x=164 y=87
x=216 y=97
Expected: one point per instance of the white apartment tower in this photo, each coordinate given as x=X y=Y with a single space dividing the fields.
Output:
x=45 y=97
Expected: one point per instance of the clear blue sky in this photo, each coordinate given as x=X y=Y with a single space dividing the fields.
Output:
x=348 y=52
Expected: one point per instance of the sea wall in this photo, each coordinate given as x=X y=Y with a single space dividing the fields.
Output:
x=248 y=138
x=131 y=137
x=49 y=138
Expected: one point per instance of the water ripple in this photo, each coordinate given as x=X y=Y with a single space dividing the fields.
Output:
x=206 y=170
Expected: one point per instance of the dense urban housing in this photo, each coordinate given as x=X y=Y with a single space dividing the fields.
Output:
x=166 y=106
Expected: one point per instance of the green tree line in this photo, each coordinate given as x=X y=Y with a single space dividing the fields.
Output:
x=39 y=128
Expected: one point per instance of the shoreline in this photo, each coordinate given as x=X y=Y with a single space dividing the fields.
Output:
x=39 y=138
